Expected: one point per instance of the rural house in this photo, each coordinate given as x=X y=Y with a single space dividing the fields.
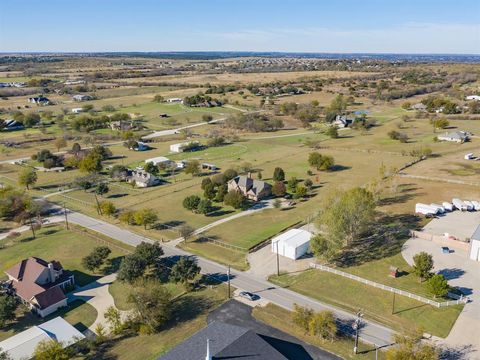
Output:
x=419 y=107
x=455 y=136
x=39 y=100
x=11 y=125
x=343 y=121
x=81 y=97
x=143 y=179
x=250 y=188
x=40 y=284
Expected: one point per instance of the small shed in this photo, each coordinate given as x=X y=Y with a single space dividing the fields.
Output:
x=393 y=271
x=292 y=244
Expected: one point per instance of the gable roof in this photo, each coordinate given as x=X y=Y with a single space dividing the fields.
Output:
x=226 y=342
x=253 y=185
x=22 y=345
x=49 y=297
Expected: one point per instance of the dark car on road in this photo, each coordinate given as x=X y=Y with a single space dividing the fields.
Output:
x=250 y=296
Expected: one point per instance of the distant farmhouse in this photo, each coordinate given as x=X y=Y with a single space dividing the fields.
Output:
x=122 y=125
x=343 y=121
x=11 y=125
x=160 y=160
x=77 y=110
x=143 y=179
x=40 y=284
x=455 y=136
x=419 y=107
x=39 y=100
x=181 y=147
x=82 y=97
x=250 y=188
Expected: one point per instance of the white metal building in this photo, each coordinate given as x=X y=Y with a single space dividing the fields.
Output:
x=160 y=160
x=22 y=345
x=475 y=245
x=292 y=244
x=178 y=148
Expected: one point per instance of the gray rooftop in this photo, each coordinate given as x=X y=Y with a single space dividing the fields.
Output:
x=226 y=342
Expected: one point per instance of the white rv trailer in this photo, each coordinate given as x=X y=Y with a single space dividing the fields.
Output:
x=476 y=205
x=459 y=204
x=440 y=208
x=447 y=206
x=469 y=205
x=425 y=209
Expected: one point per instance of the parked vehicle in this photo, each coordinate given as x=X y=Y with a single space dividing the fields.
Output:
x=469 y=205
x=447 y=206
x=425 y=209
x=250 y=296
x=476 y=205
x=440 y=208
x=459 y=204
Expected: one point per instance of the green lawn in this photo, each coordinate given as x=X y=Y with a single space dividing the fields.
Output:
x=281 y=319
x=376 y=304
x=78 y=313
x=120 y=292
x=56 y=243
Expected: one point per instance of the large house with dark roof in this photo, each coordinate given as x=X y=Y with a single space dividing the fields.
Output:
x=250 y=188
x=40 y=284
x=224 y=341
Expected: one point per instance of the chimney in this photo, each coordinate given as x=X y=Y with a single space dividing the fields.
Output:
x=51 y=272
x=249 y=175
x=209 y=356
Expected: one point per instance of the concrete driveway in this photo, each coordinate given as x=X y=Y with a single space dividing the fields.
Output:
x=263 y=262
x=464 y=273
x=239 y=314
x=460 y=224
x=96 y=294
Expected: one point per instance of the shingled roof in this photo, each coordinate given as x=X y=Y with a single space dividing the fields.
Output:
x=226 y=342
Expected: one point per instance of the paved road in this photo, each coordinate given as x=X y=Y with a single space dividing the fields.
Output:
x=370 y=332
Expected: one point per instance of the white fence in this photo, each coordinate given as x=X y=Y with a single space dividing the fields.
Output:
x=389 y=288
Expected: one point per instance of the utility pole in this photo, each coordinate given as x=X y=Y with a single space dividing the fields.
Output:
x=278 y=262
x=376 y=352
x=356 y=326
x=228 y=277
x=65 y=212
x=99 y=210
x=393 y=303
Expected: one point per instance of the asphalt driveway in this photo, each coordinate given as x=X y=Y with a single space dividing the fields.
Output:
x=236 y=313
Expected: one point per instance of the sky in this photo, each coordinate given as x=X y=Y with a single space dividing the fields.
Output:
x=338 y=26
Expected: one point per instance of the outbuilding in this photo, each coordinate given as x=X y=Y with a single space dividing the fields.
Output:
x=22 y=345
x=475 y=245
x=292 y=244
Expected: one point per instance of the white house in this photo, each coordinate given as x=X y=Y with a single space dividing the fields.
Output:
x=180 y=147
x=77 y=110
x=81 y=97
x=473 y=97
x=292 y=244
x=455 y=136
x=143 y=179
x=469 y=156
x=475 y=245
x=22 y=345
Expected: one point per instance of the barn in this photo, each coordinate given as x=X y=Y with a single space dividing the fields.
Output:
x=292 y=244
